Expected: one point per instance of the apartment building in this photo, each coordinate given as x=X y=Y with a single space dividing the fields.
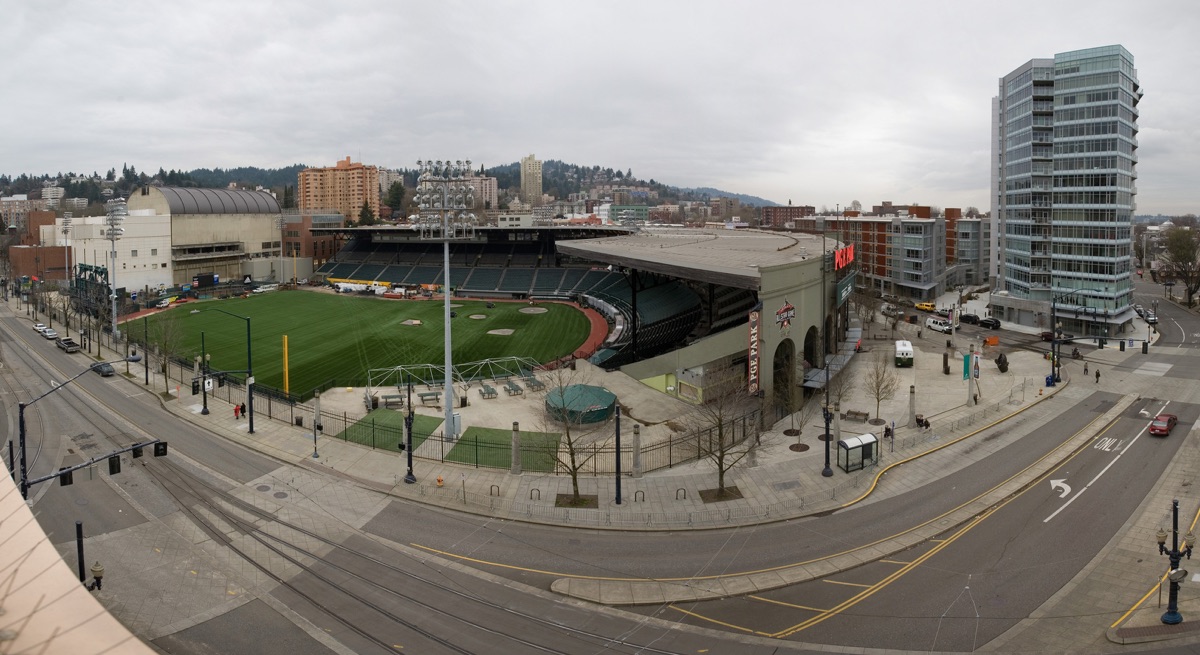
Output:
x=531 y=180
x=1064 y=161
x=344 y=187
x=785 y=216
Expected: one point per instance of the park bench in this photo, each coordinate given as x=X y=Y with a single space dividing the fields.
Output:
x=855 y=415
x=393 y=399
x=426 y=396
x=487 y=391
x=513 y=388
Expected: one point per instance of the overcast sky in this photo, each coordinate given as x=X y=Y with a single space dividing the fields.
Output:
x=802 y=101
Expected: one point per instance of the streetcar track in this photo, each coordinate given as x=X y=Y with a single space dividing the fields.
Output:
x=258 y=533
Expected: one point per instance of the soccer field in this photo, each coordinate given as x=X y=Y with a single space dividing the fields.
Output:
x=341 y=336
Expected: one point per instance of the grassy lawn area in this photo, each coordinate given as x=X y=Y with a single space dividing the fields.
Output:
x=384 y=429
x=340 y=337
x=493 y=448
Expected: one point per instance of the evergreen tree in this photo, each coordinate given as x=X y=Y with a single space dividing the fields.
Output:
x=365 y=215
x=395 y=196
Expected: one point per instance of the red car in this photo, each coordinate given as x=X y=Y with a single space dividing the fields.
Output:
x=1163 y=424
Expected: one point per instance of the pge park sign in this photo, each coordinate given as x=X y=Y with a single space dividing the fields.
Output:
x=843 y=257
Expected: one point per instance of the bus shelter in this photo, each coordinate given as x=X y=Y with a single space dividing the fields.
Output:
x=856 y=452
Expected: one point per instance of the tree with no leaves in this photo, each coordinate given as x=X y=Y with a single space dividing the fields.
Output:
x=166 y=336
x=881 y=382
x=722 y=433
x=572 y=452
x=1181 y=257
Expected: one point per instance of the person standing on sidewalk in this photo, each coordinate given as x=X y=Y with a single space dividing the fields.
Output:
x=1097 y=376
x=235 y=412
x=243 y=410
x=1085 y=371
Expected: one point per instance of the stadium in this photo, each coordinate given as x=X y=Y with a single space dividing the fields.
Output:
x=686 y=309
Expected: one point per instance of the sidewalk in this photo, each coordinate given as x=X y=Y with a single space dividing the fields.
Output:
x=784 y=484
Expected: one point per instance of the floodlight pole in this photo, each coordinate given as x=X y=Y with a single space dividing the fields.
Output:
x=456 y=194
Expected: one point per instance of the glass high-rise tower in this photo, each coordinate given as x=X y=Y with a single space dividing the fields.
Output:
x=1064 y=170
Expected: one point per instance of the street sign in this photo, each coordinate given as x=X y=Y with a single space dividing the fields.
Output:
x=208 y=384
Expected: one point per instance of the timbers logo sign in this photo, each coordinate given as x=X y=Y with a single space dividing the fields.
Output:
x=784 y=317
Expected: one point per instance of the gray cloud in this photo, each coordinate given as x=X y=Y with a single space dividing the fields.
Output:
x=802 y=101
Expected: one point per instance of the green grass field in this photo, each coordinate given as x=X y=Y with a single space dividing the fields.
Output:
x=340 y=337
x=384 y=428
x=492 y=448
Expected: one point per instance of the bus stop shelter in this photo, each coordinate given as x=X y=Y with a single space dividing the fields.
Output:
x=856 y=452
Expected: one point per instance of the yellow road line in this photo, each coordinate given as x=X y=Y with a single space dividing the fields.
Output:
x=848 y=584
x=781 y=567
x=716 y=622
x=786 y=604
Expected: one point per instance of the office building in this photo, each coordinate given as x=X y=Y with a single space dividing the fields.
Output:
x=344 y=187
x=1064 y=168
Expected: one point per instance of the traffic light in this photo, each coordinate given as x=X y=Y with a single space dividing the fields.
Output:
x=220 y=380
x=195 y=386
x=114 y=465
x=67 y=478
x=137 y=452
x=160 y=449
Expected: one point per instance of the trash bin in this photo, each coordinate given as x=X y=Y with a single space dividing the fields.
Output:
x=299 y=421
x=374 y=402
x=1049 y=380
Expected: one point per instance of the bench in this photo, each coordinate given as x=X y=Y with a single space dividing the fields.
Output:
x=487 y=391
x=855 y=415
x=426 y=396
x=388 y=401
x=534 y=383
x=513 y=388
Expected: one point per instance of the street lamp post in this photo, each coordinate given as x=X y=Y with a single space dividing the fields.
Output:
x=827 y=471
x=203 y=376
x=456 y=195
x=249 y=363
x=1175 y=575
x=21 y=422
x=116 y=215
x=409 y=478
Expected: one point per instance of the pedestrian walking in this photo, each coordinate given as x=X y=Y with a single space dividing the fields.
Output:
x=1097 y=376
x=1085 y=371
x=243 y=409
x=236 y=409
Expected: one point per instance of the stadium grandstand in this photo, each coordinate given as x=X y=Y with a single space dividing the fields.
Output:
x=680 y=303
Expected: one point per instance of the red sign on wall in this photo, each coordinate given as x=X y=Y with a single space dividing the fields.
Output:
x=843 y=257
x=752 y=372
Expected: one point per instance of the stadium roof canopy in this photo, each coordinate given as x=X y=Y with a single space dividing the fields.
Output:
x=725 y=257
x=187 y=200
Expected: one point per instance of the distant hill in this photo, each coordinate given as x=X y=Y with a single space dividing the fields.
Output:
x=717 y=193
x=247 y=175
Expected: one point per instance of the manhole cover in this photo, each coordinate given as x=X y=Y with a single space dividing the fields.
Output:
x=281 y=494
x=263 y=487
x=798 y=447
x=81 y=501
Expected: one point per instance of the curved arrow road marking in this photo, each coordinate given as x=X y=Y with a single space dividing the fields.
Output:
x=1061 y=484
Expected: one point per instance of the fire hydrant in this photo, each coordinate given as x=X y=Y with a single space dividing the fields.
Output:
x=439 y=481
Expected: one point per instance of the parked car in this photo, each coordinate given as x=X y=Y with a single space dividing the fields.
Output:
x=890 y=311
x=1141 y=311
x=49 y=334
x=1047 y=335
x=990 y=323
x=926 y=306
x=972 y=319
x=39 y=327
x=1162 y=425
x=68 y=345
x=939 y=324
x=1151 y=318
x=104 y=369
x=944 y=313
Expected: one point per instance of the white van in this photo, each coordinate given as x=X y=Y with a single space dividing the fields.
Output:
x=939 y=324
x=904 y=354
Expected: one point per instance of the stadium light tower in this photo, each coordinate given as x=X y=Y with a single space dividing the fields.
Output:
x=442 y=190
x=116 y=215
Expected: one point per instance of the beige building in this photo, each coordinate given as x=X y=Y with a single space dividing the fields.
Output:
x=343 y=187
x=531 y=180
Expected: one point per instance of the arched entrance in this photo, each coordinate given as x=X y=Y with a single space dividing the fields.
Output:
x=812 y=347
x=783 y=380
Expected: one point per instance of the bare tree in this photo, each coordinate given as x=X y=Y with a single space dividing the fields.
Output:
x=865 y=306
x=841 y=384
x=167 y=338
x=881 y=382
x=723 y=433
x=570 y=453
x=1180 y=258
